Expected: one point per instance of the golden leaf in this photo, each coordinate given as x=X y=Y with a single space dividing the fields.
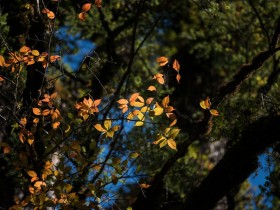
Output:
x=100 y=128
x=162 y=60
x=214 y=112
x=172 y=144
x=206 y=104
x=35 y=52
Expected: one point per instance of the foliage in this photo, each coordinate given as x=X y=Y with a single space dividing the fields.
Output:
x=133 y=126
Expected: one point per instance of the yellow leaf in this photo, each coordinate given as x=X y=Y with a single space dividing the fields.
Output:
x=99 y=128
x=158 y=110
x=68 y=129
x=172 y=144
x=107 y=124
x=139 y=123
x=32 y=173
x=165 y=101
x=214 y=112
x=176 y=65
x=152 y=88
x=35 y=52
x=36 y=111
x=162 y=60
x=206 y=104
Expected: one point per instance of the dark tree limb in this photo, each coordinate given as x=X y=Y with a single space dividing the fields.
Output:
x=237 y=164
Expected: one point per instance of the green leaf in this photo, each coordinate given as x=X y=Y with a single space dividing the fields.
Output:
x=134 y=155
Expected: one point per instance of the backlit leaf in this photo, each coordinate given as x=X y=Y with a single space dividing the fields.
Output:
x=32 y=173
x=176 y=65
x=214 y=112
x=51 y=15
x=36 y=111
x=55 y=125
x=152 y=88
x=139 y=123
x=206 y=104
x=172 y=144
x=35 y=52
x=82 y=16
x=86 y=7
x=99 y=128
x=159 y=78
x=162 y=60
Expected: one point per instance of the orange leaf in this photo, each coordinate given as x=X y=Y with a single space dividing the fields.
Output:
x=55 y=125
x=24 y=49
x=36 y=111
x=100 y=128
x=98 y=3
x=165 y=101
x=214 y=112
x=172 y=144
x=162 y=60
x=46 y=112
x=82 y=16
x=51 y=15
x=176 y=65
x=53 y=58
x=145 y=186
x=159 y=78
x=32 y=173
x=7 y=150
x=152 y=88
x=206 y=104
x=122 y=101
x=45 y=11
x=23 y=121
x=149 y=101
x=178 y=77
x=86 y=7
